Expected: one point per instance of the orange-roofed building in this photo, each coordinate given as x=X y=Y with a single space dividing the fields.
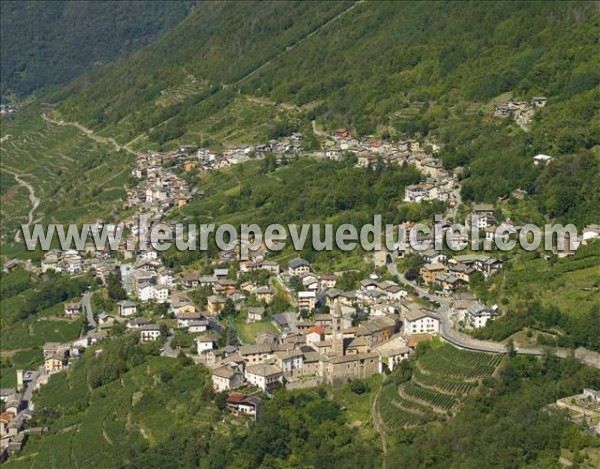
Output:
x=317 y=329
x=314 y=334
x=5 y=419
x=236 y=397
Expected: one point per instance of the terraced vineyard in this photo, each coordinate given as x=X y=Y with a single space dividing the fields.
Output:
x=454 y=363
x=439 y=402
x=113 y=418
x=446 y=386
x=179 y=93
x=399 y=413
x=441 y=379
x=75 y=178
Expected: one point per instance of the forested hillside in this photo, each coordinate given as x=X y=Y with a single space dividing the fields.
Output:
x=48 y=43
x=373 y=60
x=413 y=69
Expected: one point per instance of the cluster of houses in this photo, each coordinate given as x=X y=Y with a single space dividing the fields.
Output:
x=368 y=149
x=160 y=188
x=521 y=111
x=286 y=146
x=9 y=109
x=70 y=261
x=325 y=349
x=332 y=336
x=147 y=278
x=583 y=409
x=482 y=218
x=365 y=330
x=202 y=160
x=438 y=183
x=455 y=272
x=13 y=421
x=17 y=403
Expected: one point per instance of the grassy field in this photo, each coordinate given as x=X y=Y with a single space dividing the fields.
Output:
x=247 y=331
x=572 y=284
x=22 y=336
x=34 y=332
x=7 y=182
x=19 y=360
x=440 y=381
x=243 y=121
x=358 y=406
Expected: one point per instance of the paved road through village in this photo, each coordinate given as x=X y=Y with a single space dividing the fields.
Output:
x=465 y=341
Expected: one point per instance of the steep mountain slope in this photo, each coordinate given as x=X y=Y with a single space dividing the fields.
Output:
x=399 y=70
x=370 y=62
x=232 y=71
x=50 y=43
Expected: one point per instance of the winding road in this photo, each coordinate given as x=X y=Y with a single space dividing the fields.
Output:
x=465 y=341
x=87 y=306
x=90 y=133
x=35 y=201
x=376 y=417
x=316 y=131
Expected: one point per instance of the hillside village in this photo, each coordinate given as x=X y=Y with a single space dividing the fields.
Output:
x=522 y=112
x=326 y=336
x=300 y=234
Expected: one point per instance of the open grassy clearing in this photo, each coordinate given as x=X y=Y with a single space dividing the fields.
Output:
x=247 y=331
x=571 y=284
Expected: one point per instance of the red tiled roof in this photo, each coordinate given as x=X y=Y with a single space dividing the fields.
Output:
x=7 y=416
x=235 y=397
x=318 y=329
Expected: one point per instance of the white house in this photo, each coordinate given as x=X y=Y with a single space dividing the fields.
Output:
x=184 y=318
x=264 y=376
x=137 y=323
x=161 y=293
x=289 y=361
x=221 y=273
x=478 y=315
x=314 y=334
x=197 y=326
x=418 y=320
x=227 y=377
x=148 y=255
x=165 y=276
x=205 y=343
x=127 y=308
x=396 y=293
x=271 y=266
x=149 y=333
x=298 y=266
x=307 y=300
x=256 y=314
x=72 y=309
x=590 y=232
x=145 y=292
x=537 y=159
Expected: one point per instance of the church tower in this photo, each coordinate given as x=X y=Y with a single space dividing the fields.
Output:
x=338 y=335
